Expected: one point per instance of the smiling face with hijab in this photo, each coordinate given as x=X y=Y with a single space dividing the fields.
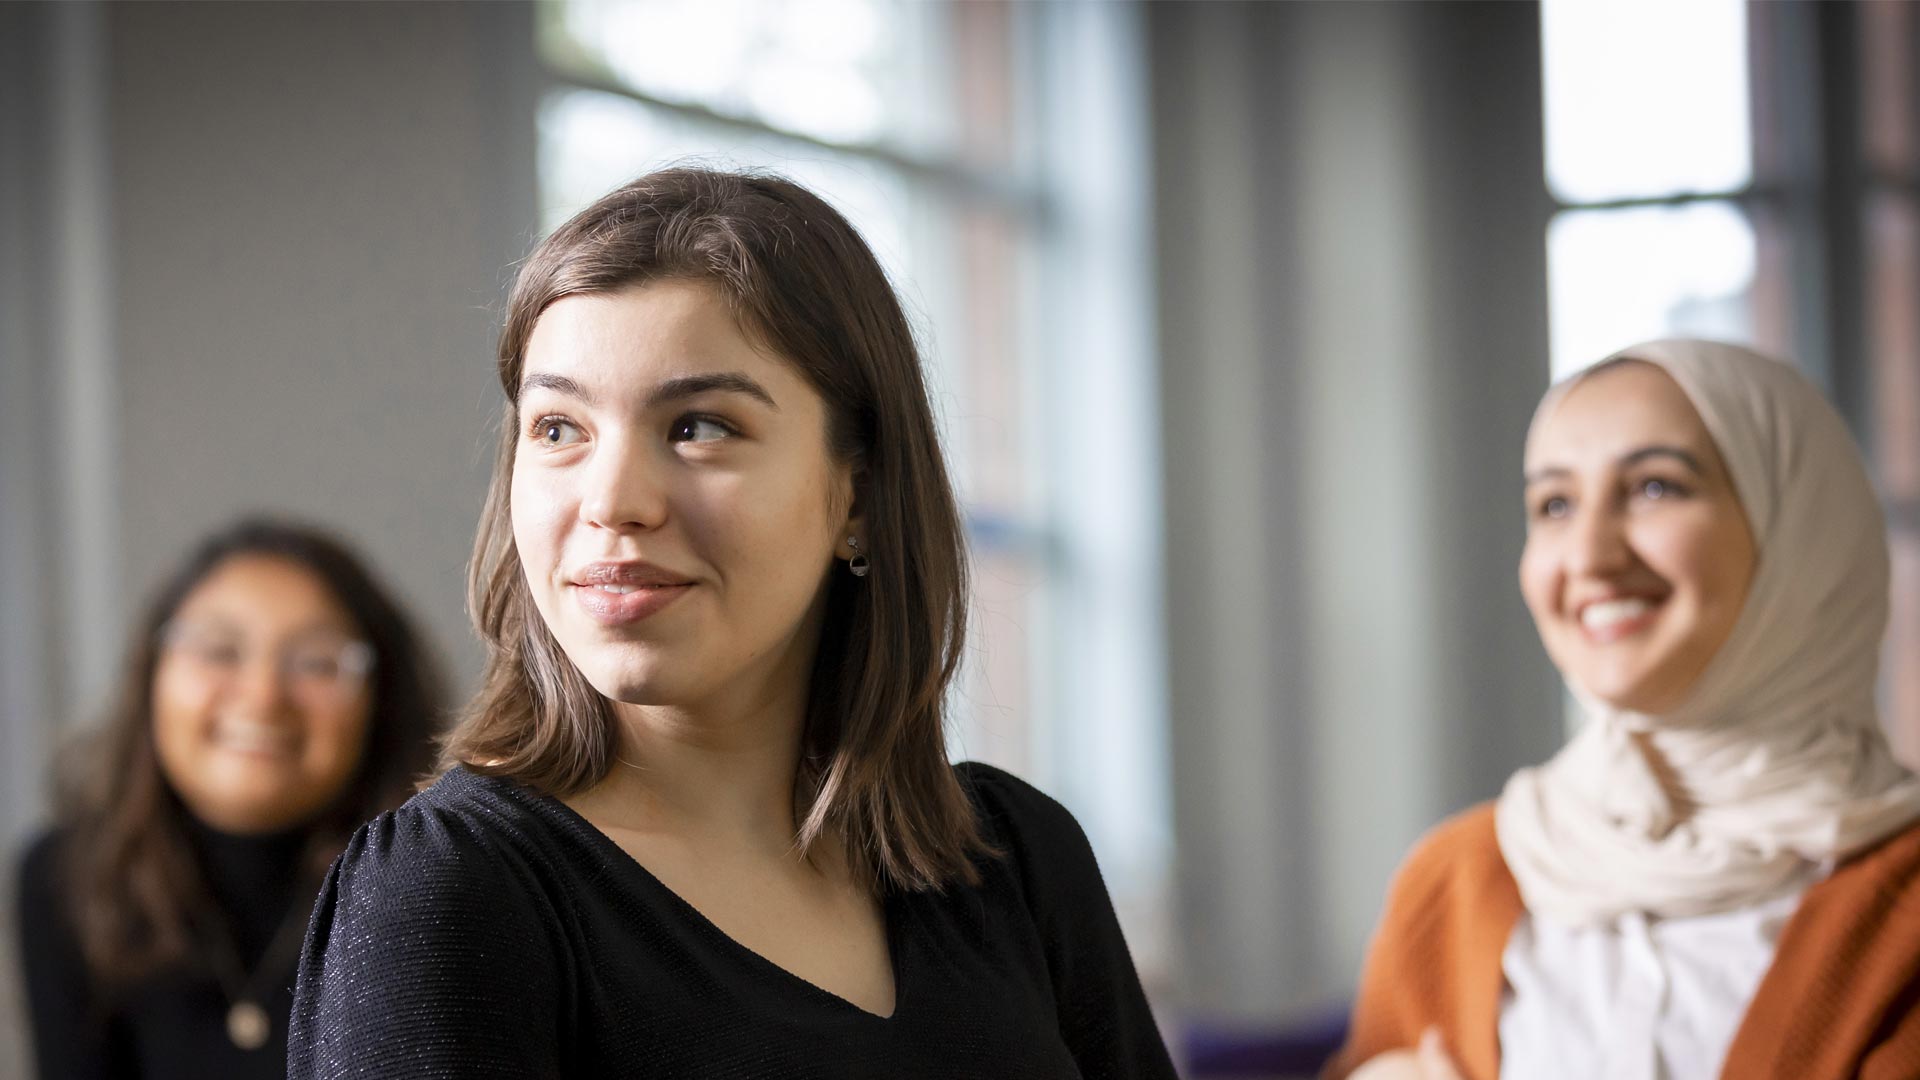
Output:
x=1638 y=555
x=1707 y=565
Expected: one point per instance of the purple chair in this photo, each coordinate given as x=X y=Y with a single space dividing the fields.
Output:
x=1298 y=1048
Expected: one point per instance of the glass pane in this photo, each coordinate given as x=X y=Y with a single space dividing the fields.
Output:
x=1620 y=276
x=1893 y=269
x=1887 y=86
x=993 y=716
x=592 y=142
x=1645 y=97
x=851 y=71
x=1901 y=668
x=1771 y=303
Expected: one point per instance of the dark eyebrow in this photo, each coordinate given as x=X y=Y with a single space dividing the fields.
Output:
x=1674 y=452
x=731 y=382
x=559 y=384
x=1635 y=457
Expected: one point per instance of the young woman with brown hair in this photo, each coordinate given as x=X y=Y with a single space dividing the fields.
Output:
x=700 y=819
x=274 y=699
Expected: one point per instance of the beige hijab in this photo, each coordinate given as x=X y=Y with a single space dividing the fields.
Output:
x=1776 y=764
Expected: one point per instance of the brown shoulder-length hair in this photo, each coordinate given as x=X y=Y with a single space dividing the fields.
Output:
x=126 y=858
x=873 y=766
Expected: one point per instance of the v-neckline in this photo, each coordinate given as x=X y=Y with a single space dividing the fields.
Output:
x=617 y=857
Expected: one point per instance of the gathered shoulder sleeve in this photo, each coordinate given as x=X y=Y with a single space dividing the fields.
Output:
x=1435 y=956
x=1104 y=1017
x=431 y=954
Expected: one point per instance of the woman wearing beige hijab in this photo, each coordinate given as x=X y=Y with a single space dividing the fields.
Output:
x=1719 y=876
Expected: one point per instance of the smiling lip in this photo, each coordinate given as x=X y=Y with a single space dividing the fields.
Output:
x=1617 y=624
x=619 y=594
x=253 y=741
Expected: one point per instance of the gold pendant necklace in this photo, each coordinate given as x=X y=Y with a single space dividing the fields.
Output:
x=248 y=1025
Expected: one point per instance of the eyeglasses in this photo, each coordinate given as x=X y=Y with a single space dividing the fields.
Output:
x=318 y=667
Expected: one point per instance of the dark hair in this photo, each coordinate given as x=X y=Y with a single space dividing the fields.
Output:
x=132 y=875
x=873 y=764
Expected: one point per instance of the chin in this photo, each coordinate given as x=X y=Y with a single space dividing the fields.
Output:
x=254 y=818
x=1631 y=695
x=632 y=684
x=621 y=670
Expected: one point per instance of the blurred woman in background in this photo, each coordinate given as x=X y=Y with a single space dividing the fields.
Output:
x=275 y=697
x=1720 y=874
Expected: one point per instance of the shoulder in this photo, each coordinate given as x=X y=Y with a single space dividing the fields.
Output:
x=1016 y=814
x=1844 y=974
x=41 y=881
x=1462 y=851
x=1043 y=854
x=39 y=861
x=1435 y=954
x=38 y=887
x=1875 y=893
x=998 y=793
x=466 y=845
x=1453 y=889
x=1890 y=869
x=437 y=945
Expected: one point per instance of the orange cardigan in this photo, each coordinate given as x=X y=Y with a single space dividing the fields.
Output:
x=1841 y=999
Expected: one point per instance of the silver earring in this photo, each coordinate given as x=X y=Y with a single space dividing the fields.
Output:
x=859 y=564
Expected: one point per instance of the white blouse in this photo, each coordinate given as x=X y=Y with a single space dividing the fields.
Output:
x=1636 y=999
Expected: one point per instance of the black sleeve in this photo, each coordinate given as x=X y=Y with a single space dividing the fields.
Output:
x=429 y=955
x=73 y=1038
x=1104 y=1017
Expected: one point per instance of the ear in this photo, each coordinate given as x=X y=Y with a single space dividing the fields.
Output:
x=853 y=497
x=849 y=504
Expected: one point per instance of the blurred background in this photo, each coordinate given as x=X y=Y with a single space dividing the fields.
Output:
x=1236 y=314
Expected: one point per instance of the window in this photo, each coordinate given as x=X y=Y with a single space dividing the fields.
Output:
x=1751 y=171
x=985 y=180
x=1650 y=159
x=1885 y=404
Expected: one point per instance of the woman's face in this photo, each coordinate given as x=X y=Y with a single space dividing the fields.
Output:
x=675 y=506
x=1638 y=553
x=260 y=697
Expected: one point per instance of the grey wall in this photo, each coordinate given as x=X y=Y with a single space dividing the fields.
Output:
x=254 y=258
x=315 y=208
x=1352 y=289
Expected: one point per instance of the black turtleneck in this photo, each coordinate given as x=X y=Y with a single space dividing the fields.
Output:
x=173 y=1024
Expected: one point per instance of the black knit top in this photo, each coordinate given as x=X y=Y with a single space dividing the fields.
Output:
x=483 y=930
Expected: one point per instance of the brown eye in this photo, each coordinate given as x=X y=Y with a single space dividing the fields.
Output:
x=698 y=429
x=1654 y=489
x=314 y=664
x=556 y=431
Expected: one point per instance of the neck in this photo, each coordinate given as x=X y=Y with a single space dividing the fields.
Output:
x=254 y=880
x=720 y=769
x=722 y=772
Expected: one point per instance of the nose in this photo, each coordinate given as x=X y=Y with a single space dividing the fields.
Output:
x=1597 y=542
x=623 y=489
x=260 y=686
